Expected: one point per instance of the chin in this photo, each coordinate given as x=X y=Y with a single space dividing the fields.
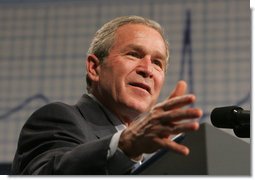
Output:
x=140 y=107
x=137 y=104
x=135 y=109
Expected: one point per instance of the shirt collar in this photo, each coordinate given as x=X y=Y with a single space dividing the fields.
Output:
x=115 y=121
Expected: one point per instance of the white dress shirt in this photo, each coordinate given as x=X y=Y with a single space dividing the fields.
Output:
x=119 y=126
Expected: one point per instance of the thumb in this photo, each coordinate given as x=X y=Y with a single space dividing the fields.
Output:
x=179 y=89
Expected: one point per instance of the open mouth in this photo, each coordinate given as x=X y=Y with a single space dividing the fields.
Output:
x=141 y=85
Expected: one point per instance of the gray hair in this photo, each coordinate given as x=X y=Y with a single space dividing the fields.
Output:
x=105 y=36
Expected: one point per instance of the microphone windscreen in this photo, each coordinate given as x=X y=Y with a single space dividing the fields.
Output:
x=224 y=117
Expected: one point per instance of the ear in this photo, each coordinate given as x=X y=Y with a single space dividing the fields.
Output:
x=92 y=66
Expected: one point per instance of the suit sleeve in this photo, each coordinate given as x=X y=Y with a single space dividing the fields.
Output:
x=53 y=141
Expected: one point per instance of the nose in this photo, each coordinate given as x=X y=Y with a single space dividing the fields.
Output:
x=145 y=68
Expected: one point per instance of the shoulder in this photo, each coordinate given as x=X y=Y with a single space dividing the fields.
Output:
x=53 y=122
x=56 y=108
x=56 y=112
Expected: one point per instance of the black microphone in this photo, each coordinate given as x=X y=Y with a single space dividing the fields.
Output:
x=232 y=117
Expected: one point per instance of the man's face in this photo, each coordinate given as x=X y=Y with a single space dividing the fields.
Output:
x=132 y=75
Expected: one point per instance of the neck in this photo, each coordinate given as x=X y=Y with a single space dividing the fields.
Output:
x=125 y=115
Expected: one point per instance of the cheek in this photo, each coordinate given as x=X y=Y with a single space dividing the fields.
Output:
x=112 y=79
x=159 y=82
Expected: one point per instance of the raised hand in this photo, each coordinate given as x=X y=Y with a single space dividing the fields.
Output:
x=152 y=131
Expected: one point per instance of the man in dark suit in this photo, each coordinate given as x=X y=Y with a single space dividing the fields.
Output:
x=113 y=126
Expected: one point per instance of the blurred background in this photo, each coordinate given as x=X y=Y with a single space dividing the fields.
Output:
x=43 y=47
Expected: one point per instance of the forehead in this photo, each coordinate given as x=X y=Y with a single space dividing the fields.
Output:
x=140 y=35
x=136 y=30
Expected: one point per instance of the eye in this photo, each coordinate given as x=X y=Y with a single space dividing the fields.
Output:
x=158 y=63
x=134 y=54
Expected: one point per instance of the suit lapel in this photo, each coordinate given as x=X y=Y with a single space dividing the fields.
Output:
x=96 y=117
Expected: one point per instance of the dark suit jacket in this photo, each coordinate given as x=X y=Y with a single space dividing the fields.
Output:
x=63 y=139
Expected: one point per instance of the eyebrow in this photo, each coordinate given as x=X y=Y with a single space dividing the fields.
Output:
x=140 y=48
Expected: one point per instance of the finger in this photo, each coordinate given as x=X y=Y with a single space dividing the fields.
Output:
x=173 y=146
x=171 y=117
x=184 y=127
x=165 y=131
x=178 y=102
x=178 y=148
x=179 y=89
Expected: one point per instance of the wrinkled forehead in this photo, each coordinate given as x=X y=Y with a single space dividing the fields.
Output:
x=132 y=33
x=157 y=29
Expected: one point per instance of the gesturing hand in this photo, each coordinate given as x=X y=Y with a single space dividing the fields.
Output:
x=152 y=131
